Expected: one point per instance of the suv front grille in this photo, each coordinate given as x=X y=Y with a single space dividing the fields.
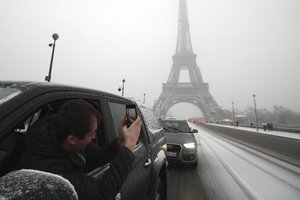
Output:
x=174 y=148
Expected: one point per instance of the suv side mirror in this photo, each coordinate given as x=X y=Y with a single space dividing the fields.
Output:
x=194 y=131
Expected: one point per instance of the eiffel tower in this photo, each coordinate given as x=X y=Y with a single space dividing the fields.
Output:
x=194 y=92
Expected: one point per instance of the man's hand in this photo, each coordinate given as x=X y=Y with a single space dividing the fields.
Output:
x=131 y=134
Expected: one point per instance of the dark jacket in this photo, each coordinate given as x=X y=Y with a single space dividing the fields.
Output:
x=44 y=153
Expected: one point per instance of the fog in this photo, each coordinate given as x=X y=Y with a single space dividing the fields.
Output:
x=243 y=47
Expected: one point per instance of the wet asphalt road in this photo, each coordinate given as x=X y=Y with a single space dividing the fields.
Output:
x=230 y=171
x=184 y=183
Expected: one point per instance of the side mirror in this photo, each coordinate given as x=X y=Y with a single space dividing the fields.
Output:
x=194 y=131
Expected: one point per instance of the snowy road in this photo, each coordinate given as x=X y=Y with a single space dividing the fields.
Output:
x=229 y=170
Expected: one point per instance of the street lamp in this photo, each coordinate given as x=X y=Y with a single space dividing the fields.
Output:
x=144 y=98
x=221 y=115
x=212 y=117
x=119 y=89
x=255 y=112
x=55 y=37
x=233 y=114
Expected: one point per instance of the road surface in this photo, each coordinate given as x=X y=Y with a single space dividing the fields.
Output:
x=229 y=170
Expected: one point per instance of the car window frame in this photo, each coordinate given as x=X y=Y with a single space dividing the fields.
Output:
x=13 y=121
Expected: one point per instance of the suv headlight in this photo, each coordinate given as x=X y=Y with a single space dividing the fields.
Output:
x=164 y=147
x=189 y=145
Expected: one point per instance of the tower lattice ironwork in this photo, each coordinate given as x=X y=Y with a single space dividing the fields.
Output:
x=195 y=92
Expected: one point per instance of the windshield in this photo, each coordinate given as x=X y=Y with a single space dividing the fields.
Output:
x=175 y=126
x=7 y=94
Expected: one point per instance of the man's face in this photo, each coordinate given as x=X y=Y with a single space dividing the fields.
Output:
x=82 y=143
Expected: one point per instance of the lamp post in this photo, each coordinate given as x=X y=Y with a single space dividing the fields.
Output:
x=144 y=98
x=221 y=115
x=233 y=114
x=123 y=81
x=55 y=37
x=255 y=112
x=212 y=116
x=119 y=89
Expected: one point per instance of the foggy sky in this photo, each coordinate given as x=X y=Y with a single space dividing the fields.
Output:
x=243 y=47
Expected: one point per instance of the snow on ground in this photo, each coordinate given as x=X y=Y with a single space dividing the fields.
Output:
x=274 y=132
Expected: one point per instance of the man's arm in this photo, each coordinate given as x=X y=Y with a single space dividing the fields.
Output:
x=99 y=156
x=96 y=156
x=107 y=186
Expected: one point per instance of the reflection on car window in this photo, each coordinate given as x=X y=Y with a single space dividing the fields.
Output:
x=118 y=111
x=8 y=93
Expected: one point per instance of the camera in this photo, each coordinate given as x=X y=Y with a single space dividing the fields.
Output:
x=131 y=114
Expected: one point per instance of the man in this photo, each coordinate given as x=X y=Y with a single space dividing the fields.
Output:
x=64 y=146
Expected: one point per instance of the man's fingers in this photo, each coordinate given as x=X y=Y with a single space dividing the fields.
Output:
x=137 y=122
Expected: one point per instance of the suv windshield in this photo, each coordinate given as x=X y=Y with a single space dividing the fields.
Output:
x=175 y=126
x=8 y=93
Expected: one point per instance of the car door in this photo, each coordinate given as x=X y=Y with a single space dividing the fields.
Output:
x=137 y=182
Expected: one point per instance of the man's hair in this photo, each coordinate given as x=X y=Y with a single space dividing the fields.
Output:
x=74 y=118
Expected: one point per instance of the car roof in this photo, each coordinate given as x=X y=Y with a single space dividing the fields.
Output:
x=30 y=89
x=48 y=86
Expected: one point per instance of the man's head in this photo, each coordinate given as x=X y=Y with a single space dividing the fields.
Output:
x=76 y=124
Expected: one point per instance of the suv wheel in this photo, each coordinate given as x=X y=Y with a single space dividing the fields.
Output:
x=195 y=164
x=159 y=193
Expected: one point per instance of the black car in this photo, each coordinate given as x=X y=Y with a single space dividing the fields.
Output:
x=24 y=103
x=181 y=142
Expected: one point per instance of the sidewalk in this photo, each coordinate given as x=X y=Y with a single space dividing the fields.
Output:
x=276 y=133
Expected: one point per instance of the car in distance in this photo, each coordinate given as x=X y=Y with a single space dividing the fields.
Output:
x=22 y=104
x=198 y=121
x=181 y=142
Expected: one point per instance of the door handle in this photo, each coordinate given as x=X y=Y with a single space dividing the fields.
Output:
x=147 y=163
x=118 y=197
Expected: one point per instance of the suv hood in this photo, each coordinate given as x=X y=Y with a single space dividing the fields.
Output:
x=180 y=138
